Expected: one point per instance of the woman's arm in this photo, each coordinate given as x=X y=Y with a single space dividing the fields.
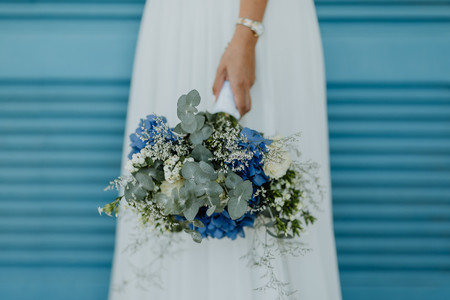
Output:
x=238 y=61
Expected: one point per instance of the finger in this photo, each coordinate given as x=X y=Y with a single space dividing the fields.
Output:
x=249 y=101
x=218 y=82
x=240 y=92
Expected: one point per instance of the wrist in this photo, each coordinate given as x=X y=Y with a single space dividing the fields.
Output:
x=245 y=35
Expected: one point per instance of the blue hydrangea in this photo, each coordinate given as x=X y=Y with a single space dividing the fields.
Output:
x=143 y=135
x=220 y=225
x=254 y=172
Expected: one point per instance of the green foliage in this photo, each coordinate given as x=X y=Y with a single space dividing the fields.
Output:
x=238 y=203
x=201 y=153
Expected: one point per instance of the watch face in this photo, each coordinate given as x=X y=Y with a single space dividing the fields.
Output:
x=259 y=29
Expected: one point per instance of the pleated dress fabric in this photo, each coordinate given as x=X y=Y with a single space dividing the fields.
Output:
x=179 y=48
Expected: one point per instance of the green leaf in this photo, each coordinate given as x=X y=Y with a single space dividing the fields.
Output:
x=196 y=138
x=192 y=207
x=200 y=152
x=208 y=170
x=207 y=131
x=238 y=203
x=200 y=120
x=188 y=123
x=232 y=180
x=198 y=223
x=210 y=211
x=193 y=98
x=210 y=188
x=134 y=192
x=189 y=170
x=156 y=171
x=179 y=130
x=145 y=181
x=166 y=202
x=196 y=236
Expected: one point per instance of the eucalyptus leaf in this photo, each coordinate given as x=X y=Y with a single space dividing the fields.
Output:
x=196 y=236
x=198 y=223
x=200 y=152
x=210 y=210
x=207 y=131
x=189 y=170
x=200 y=120
x=156 y=171
x=196 y=138
x=193 y=98
x=192 y=207
x=145 y=181
x=189 y=124
x=208 y=170
x=238 y=203
x=232 y=180
x=179 y=130
x=166 y=202
x=134 y=191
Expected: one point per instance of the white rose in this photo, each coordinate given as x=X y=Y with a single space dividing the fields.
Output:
x=167 y=187
x=276 y=170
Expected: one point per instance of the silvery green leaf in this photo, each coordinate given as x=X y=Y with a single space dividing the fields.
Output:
x=200 y=152
x=238 y=203
x=196 y=138
x=193 y=98
x=198 y=223
x=210 y=188
x=210 y=211
x=236 y=208
x=134 y=192
x=232 y=180
x=156 y=171
x=161 y=199
x=166 y=202
x=189 y=170
x=214 y=188
x=189 y=124
x=206 y=131
x=208 y=170
x=188 y=188
x=178 y=129
x=208 y=115
x=184 y=107
x=200 y=120
x=191 y=209
x=179 y=202
x=196 y=236
x=145 y=180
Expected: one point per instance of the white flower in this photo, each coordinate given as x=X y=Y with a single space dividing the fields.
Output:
x=188 y=159
x=130 y=167
x=138 y=159
x=279 y=201
x=100 y=210
x=167 y=187
x=276 y=169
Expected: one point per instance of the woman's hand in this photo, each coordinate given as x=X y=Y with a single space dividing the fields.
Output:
x=237 y=65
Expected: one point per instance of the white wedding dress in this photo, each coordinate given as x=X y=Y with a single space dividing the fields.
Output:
x=179 y=48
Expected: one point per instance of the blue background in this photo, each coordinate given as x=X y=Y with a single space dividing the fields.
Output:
x=64 y=78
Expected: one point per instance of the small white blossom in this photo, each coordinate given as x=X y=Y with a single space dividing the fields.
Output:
x=130 y=167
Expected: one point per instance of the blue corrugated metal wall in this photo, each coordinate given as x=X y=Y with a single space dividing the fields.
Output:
x=64 y=77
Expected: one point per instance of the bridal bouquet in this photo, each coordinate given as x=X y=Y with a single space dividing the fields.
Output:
x=210 y=177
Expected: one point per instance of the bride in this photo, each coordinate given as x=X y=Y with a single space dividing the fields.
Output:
x=271 y=53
